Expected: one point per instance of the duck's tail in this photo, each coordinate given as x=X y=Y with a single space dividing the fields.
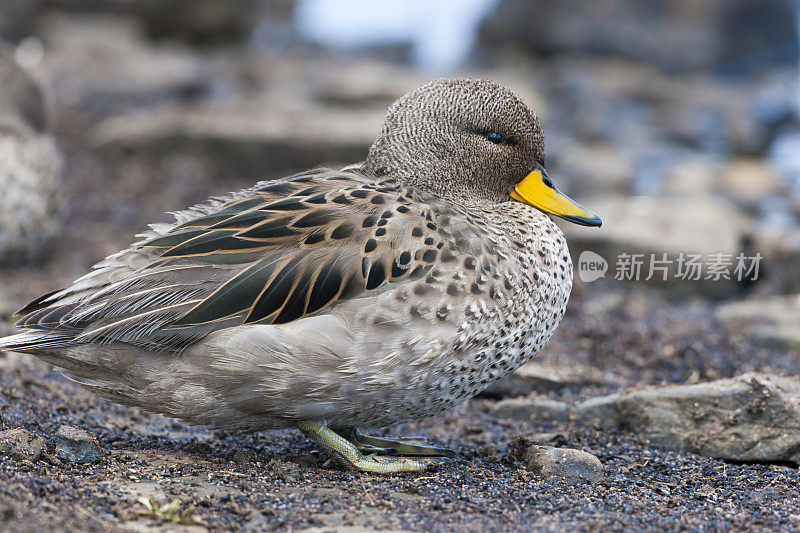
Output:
x=34 y=341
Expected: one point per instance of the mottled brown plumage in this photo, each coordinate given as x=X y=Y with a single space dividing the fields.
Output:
x=368 y=296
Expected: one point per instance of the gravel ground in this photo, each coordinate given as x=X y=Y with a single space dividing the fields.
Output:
x=277 y=480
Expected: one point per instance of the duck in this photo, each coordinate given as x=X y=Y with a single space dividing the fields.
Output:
x=336 y=299
x=30 y=165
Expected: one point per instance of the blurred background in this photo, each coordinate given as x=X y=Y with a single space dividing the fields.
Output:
x=675 y=120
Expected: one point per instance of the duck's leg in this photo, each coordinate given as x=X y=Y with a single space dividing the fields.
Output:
x=348 y=455
x=403 y=446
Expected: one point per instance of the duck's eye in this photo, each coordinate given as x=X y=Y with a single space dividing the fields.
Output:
x=496 y=138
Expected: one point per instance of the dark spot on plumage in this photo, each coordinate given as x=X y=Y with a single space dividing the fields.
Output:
x=307 y=192
x=215 y=241
x=536 y=275
x=380 y=232
x=338 y=178
x=475 y=288
x=370 y=245
x=342 y=231
x=342 y=199
x=446 y=256
x=317 y=199
x=271 y=229
x=402 y=209
x=398 y=271
x=420 y=289
x=377 y=275
x=416 y=232
x=359 y=193
x=518 y=244
x=404 y=258
x=315 y=238
x=278 y=188
x=318 y=217
x=377 y=199
x=365 y=261
x=431 y=226
x=368 y=222
x=469 y=263
x=417 y=272
x=541 y=253
x=507 y=284
x=442 y=312
x=386 y=214
x=287 y=204
x=429 y=256
x=429 y=241
x=382 y=222
x=453 y=290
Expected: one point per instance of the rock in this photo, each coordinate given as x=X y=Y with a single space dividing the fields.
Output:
x=77 y=446
x=650 y=227
x=255 y=139
x=752 y=417
x=775 y=319
x=21 y=444
x=199 y=21
x=557 y=462
x=105 y=63
x=532 y=409
x=29 y=166
x=534 y=377
x=780 y=247
x=590 y=168
x=672 y=35
x=18 y=18
x=748 y=180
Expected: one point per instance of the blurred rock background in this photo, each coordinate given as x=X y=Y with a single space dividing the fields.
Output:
x=677 y=121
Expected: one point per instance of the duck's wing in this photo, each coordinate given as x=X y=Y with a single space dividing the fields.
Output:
x=275 y=253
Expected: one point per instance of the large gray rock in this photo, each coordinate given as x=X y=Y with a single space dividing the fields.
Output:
x=21 y=444
x=749 y=418
x=254 y=139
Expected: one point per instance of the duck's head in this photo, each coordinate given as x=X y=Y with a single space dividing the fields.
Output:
x=470 y=139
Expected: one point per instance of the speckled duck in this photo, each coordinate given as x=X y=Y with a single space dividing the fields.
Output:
x=381 y=293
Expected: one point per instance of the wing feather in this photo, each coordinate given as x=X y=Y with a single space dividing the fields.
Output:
x=272 y=254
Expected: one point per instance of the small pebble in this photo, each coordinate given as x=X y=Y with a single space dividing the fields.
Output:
x=21 y=444
x=560 y=462
x=77 y=446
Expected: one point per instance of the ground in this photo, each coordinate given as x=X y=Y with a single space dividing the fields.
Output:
x=277 y=480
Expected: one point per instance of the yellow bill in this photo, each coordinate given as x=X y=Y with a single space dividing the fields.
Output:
x=538 y=190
